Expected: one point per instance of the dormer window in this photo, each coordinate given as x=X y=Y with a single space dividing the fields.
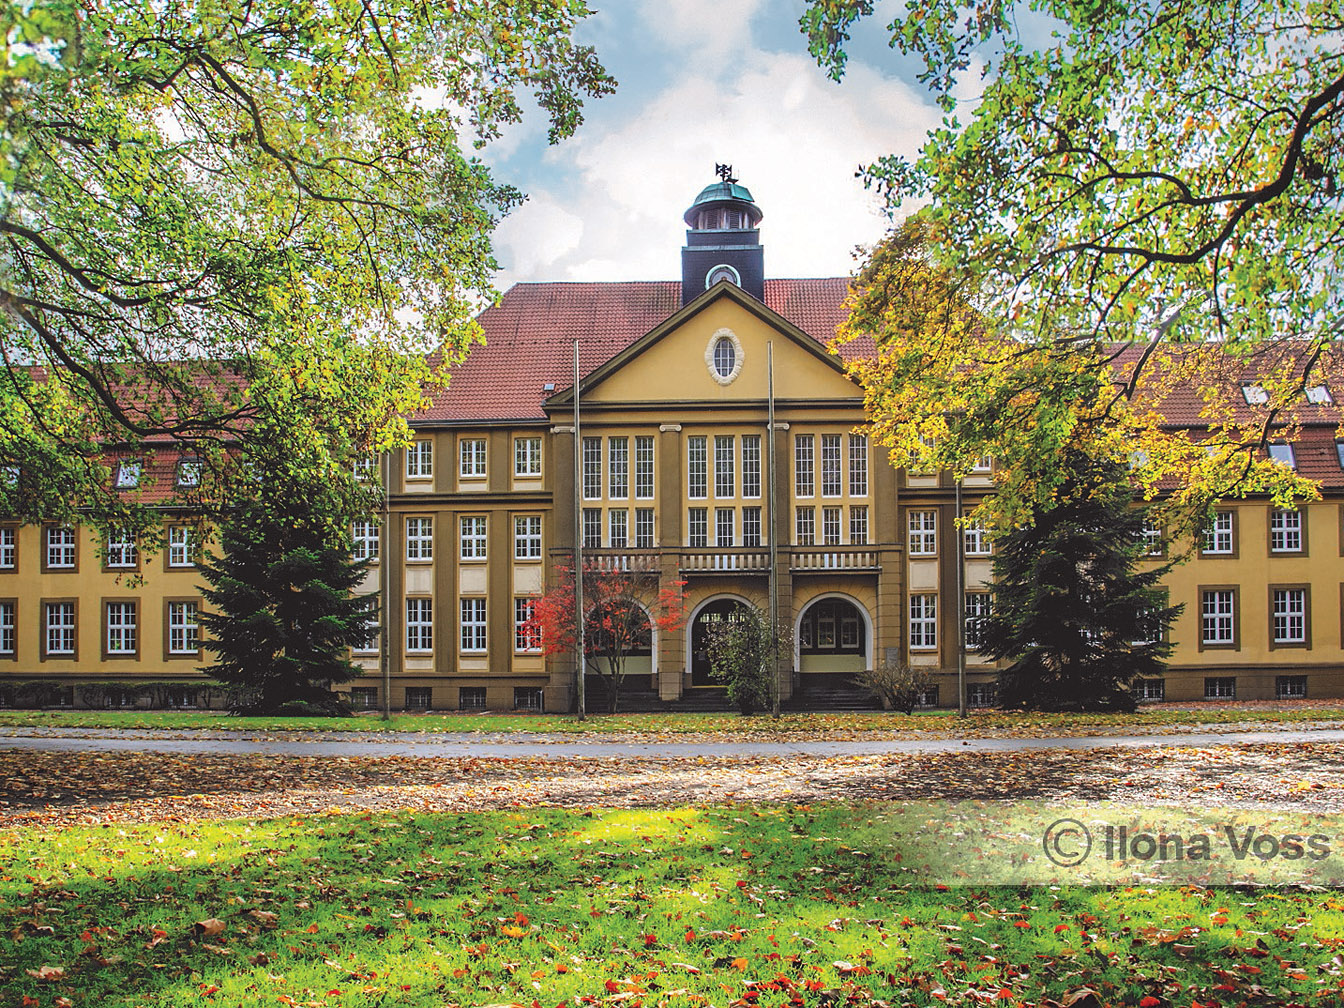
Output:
x=189 y=473
x=1282 y=453
x=128 y=475
x=1319 y=395
x=1255 y=395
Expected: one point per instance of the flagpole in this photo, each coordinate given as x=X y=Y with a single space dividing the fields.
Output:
x=580 y=664
x=773 y=527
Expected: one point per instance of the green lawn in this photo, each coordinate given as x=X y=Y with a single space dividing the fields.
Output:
x=689 y=724
x=543 y=907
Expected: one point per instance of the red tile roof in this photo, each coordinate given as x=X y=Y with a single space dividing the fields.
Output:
x=529 y=338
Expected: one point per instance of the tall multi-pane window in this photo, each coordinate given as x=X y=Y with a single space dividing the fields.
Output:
x=473 y=624
x=975 y=540
x=1219 y=536
x=1218 y=617
x=184 y=628
x=60 y=547
x=527 y=537
x=420 y=460
x=371 y=643
x=1152 y=539
x=644 y=467
x=592 y=528
x=751 y=465
x=923 y=533
x=1285 y=532
x=7 y=632
x=725 y=526
x=725 y=478
x=181 y=548
x=830 y=465
x=618 y=528
x=9 y=547
x=858 y=465
x=643 y=528
x=527 y=456
x=696 y=467
x=364 y=536
x=803 y=471
x=526 y=636
x=472 y=537
x=58 y=626
x=419 y=624
x=805 y=526
x=830 y=526
x=122 y=635
x=618 y=468
x=592 y=468
x=976 y=612
x=923 y=622
x=751 y=526
x=419 y=538
x=1290 y=616
x=858 y=525
x=697 y=527
x=471 y=458
x=121 y=549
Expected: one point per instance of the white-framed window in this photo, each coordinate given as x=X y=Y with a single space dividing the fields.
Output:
x=618 y=528
x=858 y=525
x=527 y=537
x=1285 y=531
x=1255 y=395
x=983 y=464
x=592 y=468
x=189 y=472
x=977 y=609
x=526 y=638
x=122 y=628
x=471 y=458
x=371 y=643
x=975 y=540
x=58 y=627
x=725 y=526
x=697 y=527
x=1319 y=395
x=128 y=474
x=697 y=473
x=527 y=456
x=1220 y=688
x=923 y=533
x=8 y=640
x=183 y=628
x=361 y=468
x=1152 y=539
x=751 y=465
x=830 y=526
x=923 y=622
x=618 y=468
x=181 y=546
x=419 y=624
x=1282 y=453
x=472 y=538
x=643 y=528
x=9 y=547
x=364 y=536
x=644 y=467
x=121 y=549
x=60 y=547
x=420 y=459
x=805 y=525
x=725 y=353
x=804 y=470
x=830 y=465
x=592 y=528
x=1220 y=536
x=751 y=527
x=473 y=625
x=858 y=465
x=419 y=538
x=1290 y=616
x=725 y=458
x=1218 y=616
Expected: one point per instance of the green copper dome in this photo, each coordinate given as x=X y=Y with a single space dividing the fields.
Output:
x=728 y=194
x=723 y=191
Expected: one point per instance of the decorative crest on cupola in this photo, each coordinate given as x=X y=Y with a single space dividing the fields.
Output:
x=725 y=172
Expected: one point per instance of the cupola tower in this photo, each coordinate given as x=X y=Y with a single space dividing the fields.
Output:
x=723 y=242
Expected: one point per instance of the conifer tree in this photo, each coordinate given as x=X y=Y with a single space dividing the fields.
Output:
x=1074 y=611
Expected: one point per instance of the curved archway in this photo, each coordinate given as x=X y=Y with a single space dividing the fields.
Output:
x=832 y=636
x=712 y=610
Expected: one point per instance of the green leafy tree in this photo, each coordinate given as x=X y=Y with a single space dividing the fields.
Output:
x=1076 y=613
x=284 y=613
x=218 y=214
x=743 y=654
x=1145 y=198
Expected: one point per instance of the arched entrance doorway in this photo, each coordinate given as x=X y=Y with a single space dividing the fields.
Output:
x=833 y=642
x=716 y=611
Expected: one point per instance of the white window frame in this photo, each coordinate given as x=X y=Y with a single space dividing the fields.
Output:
x=9 y=547
x=129 y=473
x=725 y=467
x=61 y=554
x=180 y=548
x=697 y=467
x=1218 y=617
x=751 y=527
x=618 y=528
x=62 y=631
x=831 y=483
x=924 y=621
x=592 y=468
x=471 y=462
x=419 y=625
x=858 y=525
x=420 y=538
x=725 y=527
x=121 y=622
x=525 y=641
x=978 y=605
x=697 y=528
x=471 y=537
x=1220 y=538
x=122 y=551
x=751 y=466
x=527 y=456
x=1282 y=453
x=1152 y=539
x=644 y=528
x=472 y=638
x=1318 y=395
x=618 y=468
x=365 y=540
x=184 y=628
x=804 y=466
x=1289 y=616
x=830 y=526
x=420 y=459
x=592 y=528
x=858 y=465
x=1285 y=531
x=644 y=472
x=975 y=541
x=8 y=627
x=805 y=525
x=1255 y=395
x=922 y=533
x=527 y=537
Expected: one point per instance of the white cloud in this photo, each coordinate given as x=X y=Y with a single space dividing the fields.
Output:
x=708 y=31
x=532 y=239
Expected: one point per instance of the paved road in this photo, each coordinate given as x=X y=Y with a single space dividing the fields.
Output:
x=543 y=747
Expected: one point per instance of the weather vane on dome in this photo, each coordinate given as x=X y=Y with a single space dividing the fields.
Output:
x=725 y=172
